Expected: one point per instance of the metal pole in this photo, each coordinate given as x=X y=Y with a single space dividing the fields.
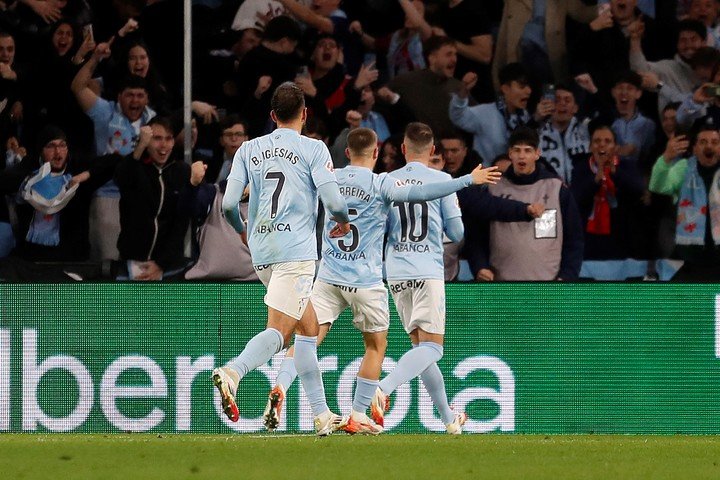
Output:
x=187 y=82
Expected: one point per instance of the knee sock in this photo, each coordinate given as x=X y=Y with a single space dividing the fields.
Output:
x=258 y=350
x=287 y=373
x=364 y=391
x=434 y=383
x=308 y=370
x=412 y=364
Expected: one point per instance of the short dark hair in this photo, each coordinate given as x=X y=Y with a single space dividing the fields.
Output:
x=323 y=36
x=705 y=127
x=454 y=135
x=435 y=43
x=4 y=34
x=601 y=126
x=132 y=81
x=315 y=125
x=565 y=87
x=282 y=27
x=628 y=76
x=671 y=106
x=230 y=120
x=287 y=101
x=164 y=122
x=359 y=140
x=688 y=25
x=419 y=136
x=513 y=72
x=524 y=136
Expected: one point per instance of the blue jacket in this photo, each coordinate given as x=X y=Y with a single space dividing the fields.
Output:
x=490 y=128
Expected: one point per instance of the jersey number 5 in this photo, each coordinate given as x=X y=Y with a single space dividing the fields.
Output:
x=352 y=212
x=409 y=211
x=280 y=177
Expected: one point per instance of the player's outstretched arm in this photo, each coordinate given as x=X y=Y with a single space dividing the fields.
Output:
x=230 y=204
x=396 y=191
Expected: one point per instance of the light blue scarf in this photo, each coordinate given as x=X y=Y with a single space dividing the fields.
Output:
x=45 y=228
x=693 y=205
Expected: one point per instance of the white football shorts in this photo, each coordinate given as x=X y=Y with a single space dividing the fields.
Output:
x=369 y=305
x=420 y=304
x=289 y=285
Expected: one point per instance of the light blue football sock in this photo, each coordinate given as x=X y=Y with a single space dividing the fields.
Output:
x=412 y=364
x=287 y=373
x=434 y=383
x=308 y=370
x=364 y=391
x=258 y=350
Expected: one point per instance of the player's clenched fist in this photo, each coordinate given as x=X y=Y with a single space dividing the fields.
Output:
x=482 y=175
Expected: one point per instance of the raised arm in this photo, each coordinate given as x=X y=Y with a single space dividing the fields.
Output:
x=80 y=85
x=416 y=19
x=479 y=49
x=306 y=15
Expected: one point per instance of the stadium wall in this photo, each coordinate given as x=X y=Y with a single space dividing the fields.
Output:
x=525 y=358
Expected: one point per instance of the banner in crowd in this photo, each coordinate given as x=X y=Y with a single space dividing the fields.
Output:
x=525 y=358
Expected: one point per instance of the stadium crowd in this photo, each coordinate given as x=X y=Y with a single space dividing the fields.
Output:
x=624 y=96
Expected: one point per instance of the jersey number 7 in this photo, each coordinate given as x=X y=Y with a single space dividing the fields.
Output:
x=280 y=177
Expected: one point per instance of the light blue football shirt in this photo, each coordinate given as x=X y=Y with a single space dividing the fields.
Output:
x=284 y=170
x=415 y=229
x=355 y=260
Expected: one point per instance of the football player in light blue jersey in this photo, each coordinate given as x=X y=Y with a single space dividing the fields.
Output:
x=415 y=275
x=351 y=274
x=286 y=172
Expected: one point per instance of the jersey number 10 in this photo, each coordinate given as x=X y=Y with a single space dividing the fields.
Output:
x=407 y=228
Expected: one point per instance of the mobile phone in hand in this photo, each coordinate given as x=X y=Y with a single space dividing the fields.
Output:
x=548 y=92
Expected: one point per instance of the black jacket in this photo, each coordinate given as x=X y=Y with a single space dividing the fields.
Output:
x=154 y=211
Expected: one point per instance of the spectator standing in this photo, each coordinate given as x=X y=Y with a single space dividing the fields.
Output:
x=117 y=126
x=551 y=247
x=492 y=123
x=564 y=137
x=693 y=182
x=669 y=75
x=155 y=204
x=606 y=189
x=437 y=82
x=233 y=132
x=271 y=63
x=53 y=213
x=466 y=22
x=458 y=159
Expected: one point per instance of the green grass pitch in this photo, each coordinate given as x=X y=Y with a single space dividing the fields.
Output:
x=388 y=457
